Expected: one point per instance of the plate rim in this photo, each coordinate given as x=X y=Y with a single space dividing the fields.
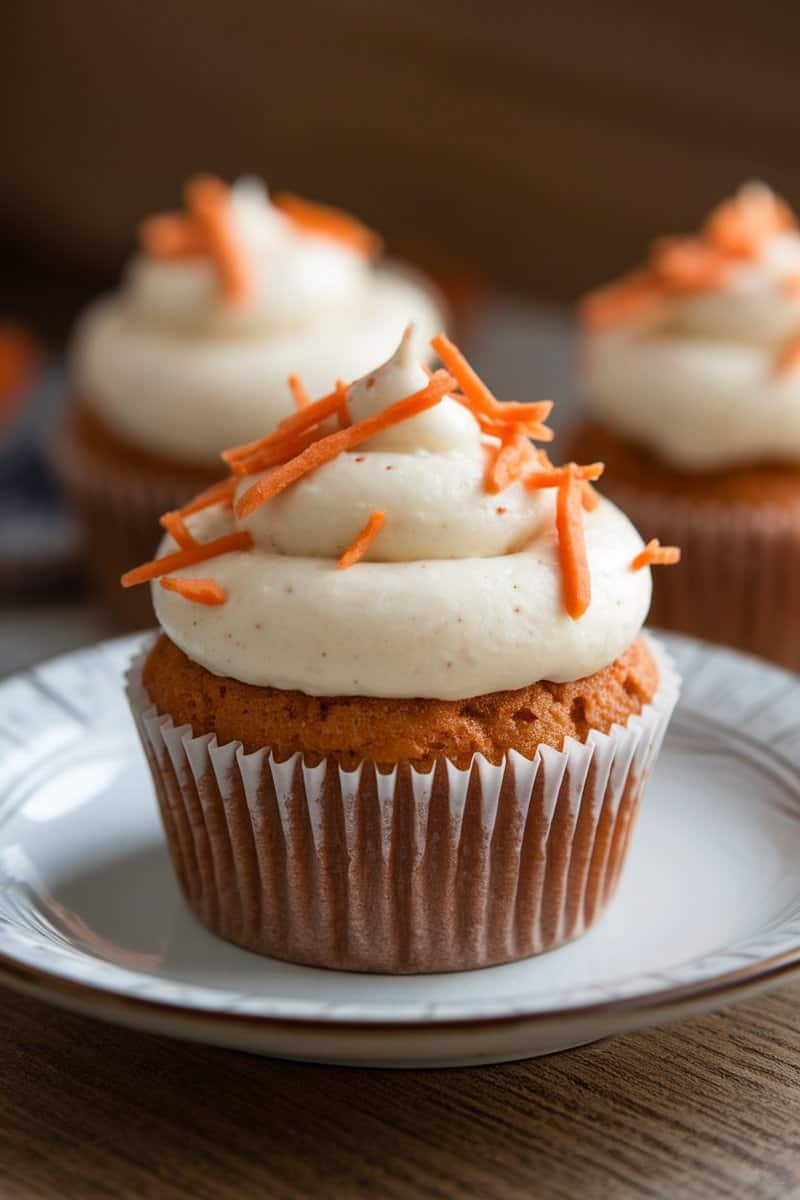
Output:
x=640 y=1007
x=49 y=985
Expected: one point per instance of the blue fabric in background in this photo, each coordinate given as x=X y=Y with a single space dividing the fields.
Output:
x=38 y=541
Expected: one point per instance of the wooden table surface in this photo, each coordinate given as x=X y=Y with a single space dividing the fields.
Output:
x=706 y=1109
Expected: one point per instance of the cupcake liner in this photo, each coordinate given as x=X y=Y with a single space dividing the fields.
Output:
x=400 y=871
x=118 y=507
x=738 y=581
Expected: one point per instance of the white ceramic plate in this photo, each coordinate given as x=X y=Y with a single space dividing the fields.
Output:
x=90 y=917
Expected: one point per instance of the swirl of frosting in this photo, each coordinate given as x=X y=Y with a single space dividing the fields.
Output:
x=171 y=365
x=460 y=593
x=695 y=356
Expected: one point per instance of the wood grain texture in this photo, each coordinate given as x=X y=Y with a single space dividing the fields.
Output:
x=707 y=1109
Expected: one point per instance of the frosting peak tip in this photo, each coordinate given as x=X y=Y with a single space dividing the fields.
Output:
x=407 y=351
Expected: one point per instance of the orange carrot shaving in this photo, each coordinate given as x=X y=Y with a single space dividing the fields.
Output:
x=301 y=396
x=739 y=227
x=209 y=202
x=329 y=222
x=576 y=583
x=791 y=286
x=327 y=448
x=688 y=264
x=507 y=463
x=468 y=380
x=362 y=542
x=555 y=476
x=503 y=429
x=287 y=429
x=654 y=554
x=171 y=236
x=343 y=409
x=619 y=301
x=479 y=399
x=789 y=357
x=276 y=455
x=201 y=591
x=175 y=525
x=218 y=493
x=589 y=497
x=187 y=558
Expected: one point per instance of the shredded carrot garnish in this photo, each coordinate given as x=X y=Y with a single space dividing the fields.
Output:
x=739 y=227
x=469 y=381
x=329 y=222
x=620 y=300
x=362 y=542
x=654 y=554
x=735 y=231
x=507 y=463
x=791 y=286
x=299 y=393
x=343 y=409
x=175 y=525
x=478 y=396
x=503 y=429
x=688 y=264
x=576 y=582
x=218 y=493
x=201 y=591
x=209 y=202
x=555 y=476
x=789 y=357
x=187 y=558
x=276 y=455
x=589 y=497
x=327 y=448
x=287 y=430
x=171 y=235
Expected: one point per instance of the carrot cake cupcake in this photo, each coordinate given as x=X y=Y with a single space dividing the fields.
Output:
x=193 y=353
x=690 y=371
x=400 y=713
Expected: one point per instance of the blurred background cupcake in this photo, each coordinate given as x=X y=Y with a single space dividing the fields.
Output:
x=690 y=374
x=225 y=300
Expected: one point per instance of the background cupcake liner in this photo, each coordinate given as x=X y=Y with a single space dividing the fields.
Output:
x=400 y=872
x=118 y=510
x=738 y=581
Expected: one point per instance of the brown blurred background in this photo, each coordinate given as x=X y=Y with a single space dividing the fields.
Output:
x=539 y=145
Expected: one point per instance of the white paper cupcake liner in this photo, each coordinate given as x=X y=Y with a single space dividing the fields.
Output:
x=118 y=512
x=738 y=581
x=405 y=871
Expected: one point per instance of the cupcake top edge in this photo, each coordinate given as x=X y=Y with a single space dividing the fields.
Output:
x=402 y=536
x=696 y=354
x=221 y=300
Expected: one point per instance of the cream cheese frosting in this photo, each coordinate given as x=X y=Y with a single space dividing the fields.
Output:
x=698 y=376
x=171 y=366
x=459 y=595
